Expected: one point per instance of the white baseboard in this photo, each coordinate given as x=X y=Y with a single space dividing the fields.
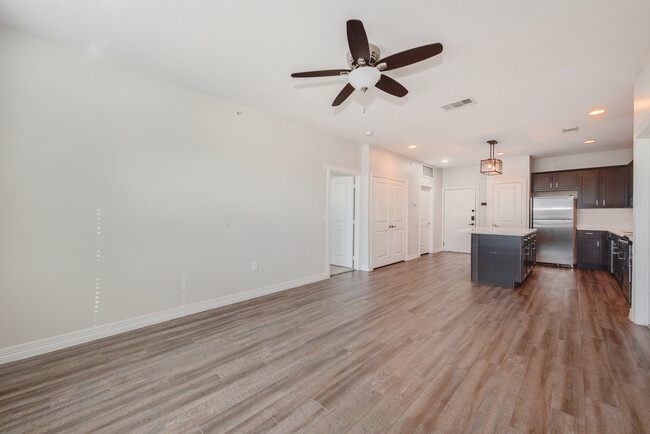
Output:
x=414 y=256
x=34 y=348
x=365 y=268
x=437 y=250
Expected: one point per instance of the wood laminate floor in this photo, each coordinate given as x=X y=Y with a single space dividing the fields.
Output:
x=414 y=347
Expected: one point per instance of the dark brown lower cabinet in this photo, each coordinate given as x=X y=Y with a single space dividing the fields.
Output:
x=593 y=250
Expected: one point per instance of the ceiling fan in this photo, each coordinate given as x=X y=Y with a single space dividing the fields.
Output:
x=366 y=66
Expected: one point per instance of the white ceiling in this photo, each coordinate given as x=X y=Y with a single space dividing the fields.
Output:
x=534 y=67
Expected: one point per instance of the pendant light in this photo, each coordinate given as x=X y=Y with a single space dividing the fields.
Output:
x=492 y=166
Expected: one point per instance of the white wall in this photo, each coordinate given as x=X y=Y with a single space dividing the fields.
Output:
x=640 y=312
x=189 y=191
x=611 y=218
x=388 y=164
x=642 y=102
x=583 y=161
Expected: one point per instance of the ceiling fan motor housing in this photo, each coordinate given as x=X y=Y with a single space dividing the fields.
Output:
x=374 y=57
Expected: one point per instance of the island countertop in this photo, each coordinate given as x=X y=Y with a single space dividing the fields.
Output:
x=514 y=232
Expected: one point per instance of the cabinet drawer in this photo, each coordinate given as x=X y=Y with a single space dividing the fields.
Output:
x=590 y=235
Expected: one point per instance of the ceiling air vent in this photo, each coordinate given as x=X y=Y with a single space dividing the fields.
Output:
x=569 y=130
x=427 y=171
x=458 y=104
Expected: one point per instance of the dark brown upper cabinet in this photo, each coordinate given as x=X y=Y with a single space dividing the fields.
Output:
x=630 y=184
x=600 y=187
x=588 y=183
x=553 y=181
x=613 y=187
x=542 y=181
x=603 y=188
x=566 y=180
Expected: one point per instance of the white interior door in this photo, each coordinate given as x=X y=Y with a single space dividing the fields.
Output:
x=425 y=220
x=389 y=221
x=507 y=205
x=460 y=213
x=342 y=221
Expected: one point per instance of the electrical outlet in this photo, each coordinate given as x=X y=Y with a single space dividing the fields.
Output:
x=254 y=266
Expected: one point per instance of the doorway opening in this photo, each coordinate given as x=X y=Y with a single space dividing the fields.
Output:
x=343 y=228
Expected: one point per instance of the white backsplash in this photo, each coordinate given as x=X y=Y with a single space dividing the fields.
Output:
x=616 y=218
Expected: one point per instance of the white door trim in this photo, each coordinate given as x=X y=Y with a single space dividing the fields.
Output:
x=371 y=220
x=476 y=202
x=357 y=226
x=431 y=213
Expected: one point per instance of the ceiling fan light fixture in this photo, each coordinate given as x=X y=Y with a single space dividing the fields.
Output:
x=364 y=77
x=492 y=166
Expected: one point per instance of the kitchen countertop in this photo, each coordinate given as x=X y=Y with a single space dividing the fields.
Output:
x=627 y=232
x=513 y=232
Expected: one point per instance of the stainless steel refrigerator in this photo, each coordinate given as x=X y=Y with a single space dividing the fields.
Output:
x=555 y=221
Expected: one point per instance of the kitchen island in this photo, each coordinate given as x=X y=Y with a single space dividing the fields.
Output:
x=502 y=256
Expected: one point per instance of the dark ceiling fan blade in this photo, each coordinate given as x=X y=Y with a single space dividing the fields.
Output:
x=358 y=41
x=389 y=85
x=343 y=95
x=411 y=56
x=323 y=73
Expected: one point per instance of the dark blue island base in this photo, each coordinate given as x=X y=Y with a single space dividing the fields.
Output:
x=502 y=260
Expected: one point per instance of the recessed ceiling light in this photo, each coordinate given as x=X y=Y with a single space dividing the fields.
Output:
x=412 y=146
x=597 y=112
x=369 y=133
x=501 y=153
x=445 y=161
x=589 y=142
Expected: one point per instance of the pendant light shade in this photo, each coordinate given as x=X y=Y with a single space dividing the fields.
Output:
x=492 y=166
